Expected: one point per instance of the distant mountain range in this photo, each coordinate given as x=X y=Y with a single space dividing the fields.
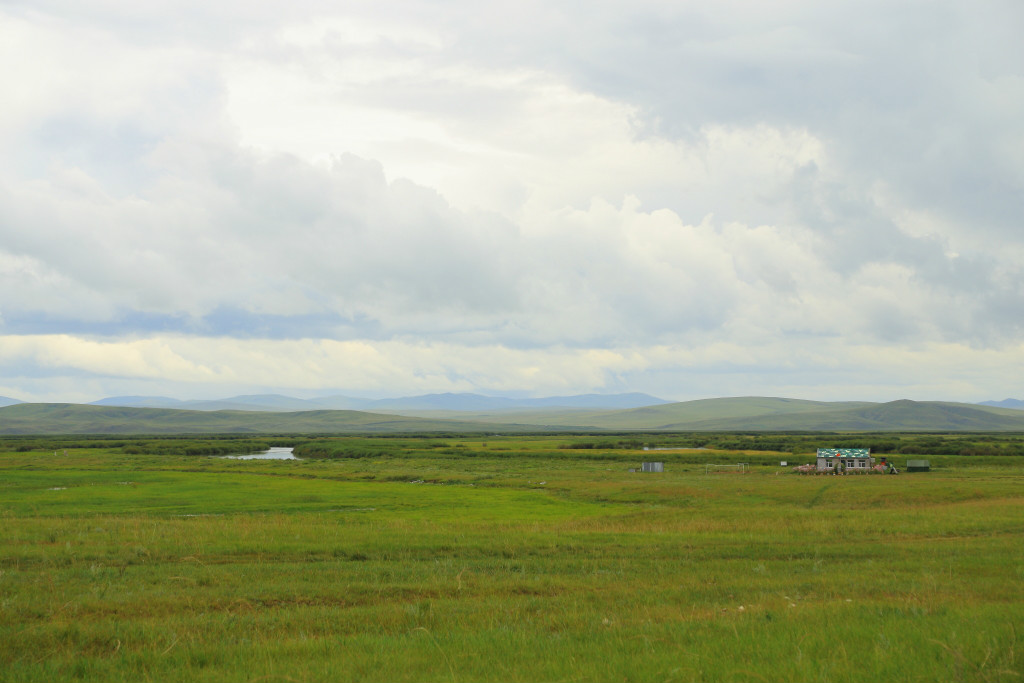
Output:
x=71 y=418
x=437 y=405
x=1014 y=403
x=462 y=402
x=723 y=414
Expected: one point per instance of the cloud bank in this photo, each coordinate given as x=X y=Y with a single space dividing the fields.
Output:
x=689 y=199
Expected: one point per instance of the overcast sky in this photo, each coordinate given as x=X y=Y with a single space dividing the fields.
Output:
x=690 y=199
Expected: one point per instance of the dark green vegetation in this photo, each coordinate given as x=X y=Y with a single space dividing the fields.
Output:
x=995 y=444
x=683 y=447
x=727 y=414
x=503 y=558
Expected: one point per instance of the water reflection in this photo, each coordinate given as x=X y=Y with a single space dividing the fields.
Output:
x=278 y=453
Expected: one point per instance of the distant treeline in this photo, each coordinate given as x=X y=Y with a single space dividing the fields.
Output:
x=625 y=447
x=603 y=446
x=355 y=447
x=226 y=447
x=901 y=444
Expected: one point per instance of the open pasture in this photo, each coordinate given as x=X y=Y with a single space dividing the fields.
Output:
x=506 y=558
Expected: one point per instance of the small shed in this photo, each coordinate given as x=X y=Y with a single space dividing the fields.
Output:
x=918 y=466
x=853 y=459
x=653 y=467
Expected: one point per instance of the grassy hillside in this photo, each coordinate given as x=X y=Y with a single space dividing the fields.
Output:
x=892 y=416
x=579 y=418
x=648 y=417
x=726 y=414
x=768 y=414
x=736 y=411
x=65 y=418
x=844 y=416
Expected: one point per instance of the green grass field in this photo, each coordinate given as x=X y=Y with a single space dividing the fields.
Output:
x=505 y=560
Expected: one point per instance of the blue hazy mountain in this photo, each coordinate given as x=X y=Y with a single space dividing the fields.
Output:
x=446 y=401
x=474 y=402
x=139 y=402
x=1014 y=403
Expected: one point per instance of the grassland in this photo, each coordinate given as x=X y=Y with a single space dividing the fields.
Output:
x=510 y=558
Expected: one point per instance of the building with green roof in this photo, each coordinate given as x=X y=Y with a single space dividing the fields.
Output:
x=852 y=459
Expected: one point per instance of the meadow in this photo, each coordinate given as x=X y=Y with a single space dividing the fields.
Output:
x=515 y=558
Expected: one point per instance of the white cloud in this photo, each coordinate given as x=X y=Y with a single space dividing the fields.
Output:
x=63 y=367
x=208 y=363
x=531 y=184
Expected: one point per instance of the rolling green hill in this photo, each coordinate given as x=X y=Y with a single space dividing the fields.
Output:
x=723 y=414
x=68 y=418
x=893 y=416
x=768 y=414
x=734 y=413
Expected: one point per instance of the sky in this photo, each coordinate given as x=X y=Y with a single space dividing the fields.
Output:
x=689 y=199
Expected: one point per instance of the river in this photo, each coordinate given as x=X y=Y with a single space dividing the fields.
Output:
x=277 y=453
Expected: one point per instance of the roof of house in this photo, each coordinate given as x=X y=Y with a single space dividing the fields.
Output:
x=844 y=452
